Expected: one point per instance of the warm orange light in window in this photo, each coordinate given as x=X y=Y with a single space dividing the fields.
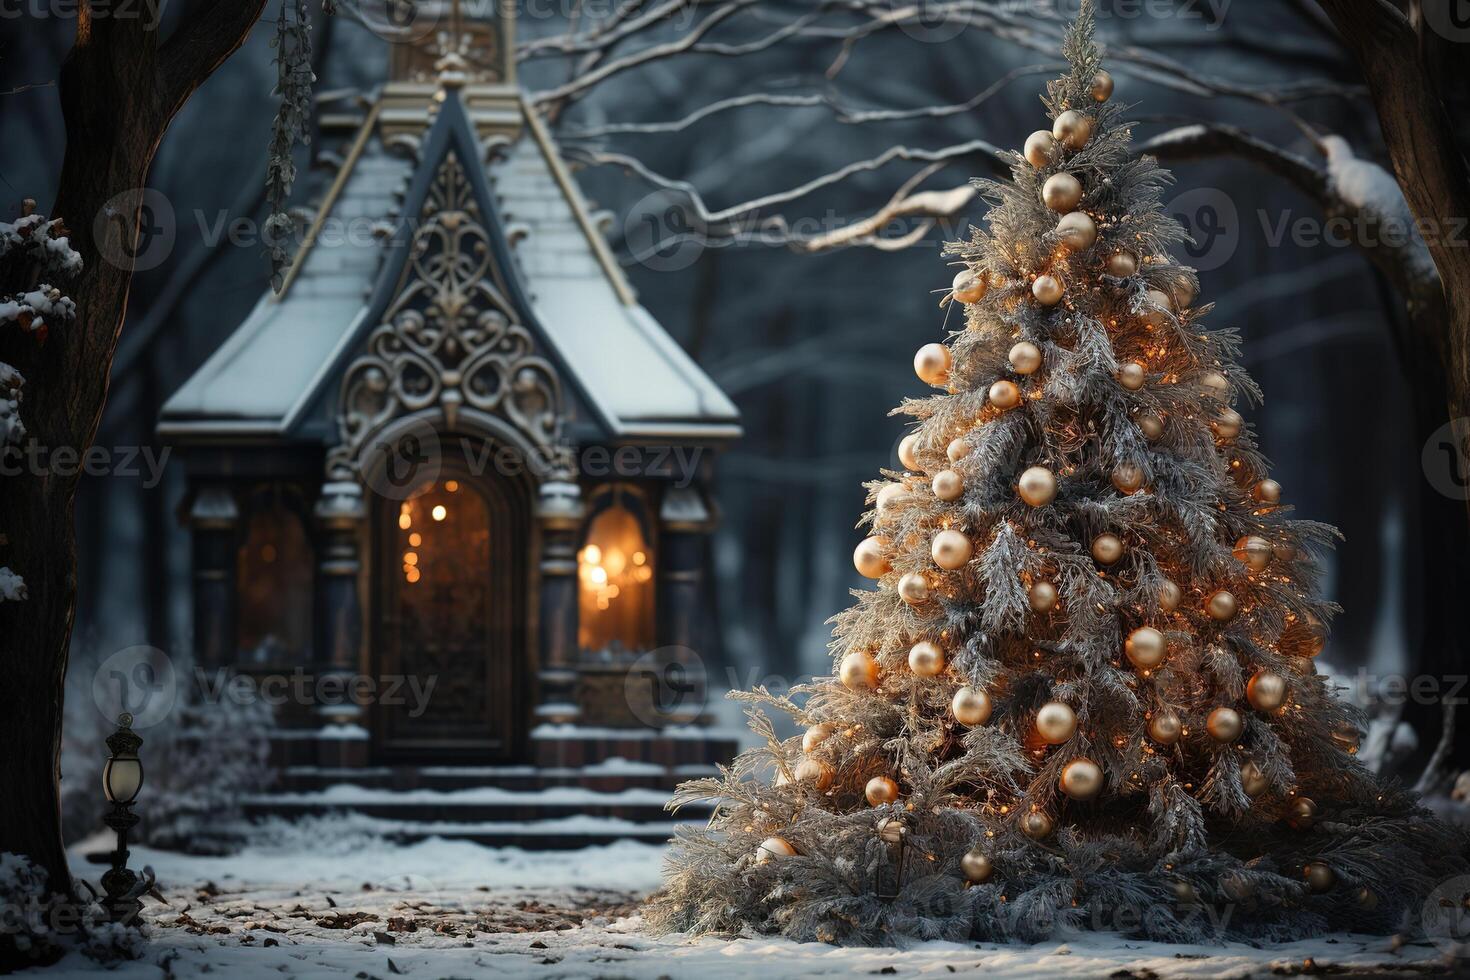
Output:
x=410 y=558
x=415 y=539
x=452 y=486
x=614 y=572
x=413 y=575
x=405 y=521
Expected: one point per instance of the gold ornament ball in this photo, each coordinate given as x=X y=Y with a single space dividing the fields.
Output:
x=1056 y=723
x=1042 y=149
x=1227 y=424
x=1107 y=549
x=1062 y=192
x=1037 y=486
x=951 y=550
x=1036 y=825
x=1005 y=394
x=815 y=772
x=1132 y=376
x=1253 y=551
x=1320 y=878
x=1214 y=382
x=1303 y=813
x=1025 y=358
x=969 y=286
x=816 y=735
x=926 y=659
x=957 y=449
x=948 y=485
x=1047 y=290
x=1224 y=724
x=1077 y=230
x=881 y=790
x=1345 y=736
x=1123 y=265
x=1082 y=779
x=1267 y=492
x=1222 y=606
x=970 y=706
x=1146 y=647
x=1170 y=596
x=913 y=588
x=1128 y=478
x=1043 y=597
x=1253 y=782
x=1238 y=888
x=1151 y=426
x=888 y=497
x=773 y=848
x=1101 y=88
x=976 y=866
x=858 y=671
x=932 y=363
x=1266 y=691
x=1184 y=893
x=891 y=830
x=1183 y=293
x=1283 y=550
x=871 y=557
x=1073 y=129
x=1165 y=727
x=908 y=448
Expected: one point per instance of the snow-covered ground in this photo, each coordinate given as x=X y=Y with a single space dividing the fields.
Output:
x=328 y=899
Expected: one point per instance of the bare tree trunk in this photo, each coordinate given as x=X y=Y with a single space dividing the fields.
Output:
x=1431 y=169
x=120 y=87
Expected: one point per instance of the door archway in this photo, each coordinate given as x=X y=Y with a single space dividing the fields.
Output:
x=453 y=576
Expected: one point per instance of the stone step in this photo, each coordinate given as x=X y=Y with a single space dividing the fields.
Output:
x=482 y=805
x=554 y=834
x=574 y=746
x=610 y=776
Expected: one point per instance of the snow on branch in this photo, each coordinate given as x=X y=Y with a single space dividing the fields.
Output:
x=31 y=247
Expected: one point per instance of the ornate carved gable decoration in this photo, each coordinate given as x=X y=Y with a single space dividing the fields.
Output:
x=450 y=337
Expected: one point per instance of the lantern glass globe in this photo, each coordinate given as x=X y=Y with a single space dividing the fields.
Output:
x=122 y=778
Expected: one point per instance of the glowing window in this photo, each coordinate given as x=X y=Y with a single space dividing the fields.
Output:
x=615 y=574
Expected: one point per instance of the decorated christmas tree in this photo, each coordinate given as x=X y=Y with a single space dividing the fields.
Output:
x=1082 y=693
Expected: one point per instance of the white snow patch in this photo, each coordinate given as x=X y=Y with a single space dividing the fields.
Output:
x=268 y=900
x=1365 y=185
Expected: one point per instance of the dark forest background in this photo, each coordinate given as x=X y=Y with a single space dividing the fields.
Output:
x=814 y=349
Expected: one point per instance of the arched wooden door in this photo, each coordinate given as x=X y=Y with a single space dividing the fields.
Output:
x=453 y=567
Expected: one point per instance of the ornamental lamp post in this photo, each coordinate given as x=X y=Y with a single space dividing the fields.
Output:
x=122 y=778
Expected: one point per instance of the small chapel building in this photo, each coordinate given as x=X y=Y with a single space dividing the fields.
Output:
x=456 y=447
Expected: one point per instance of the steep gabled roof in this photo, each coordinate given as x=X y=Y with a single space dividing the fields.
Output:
x=277 y=375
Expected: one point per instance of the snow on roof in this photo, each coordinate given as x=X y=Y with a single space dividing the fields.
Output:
x=640 y=382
